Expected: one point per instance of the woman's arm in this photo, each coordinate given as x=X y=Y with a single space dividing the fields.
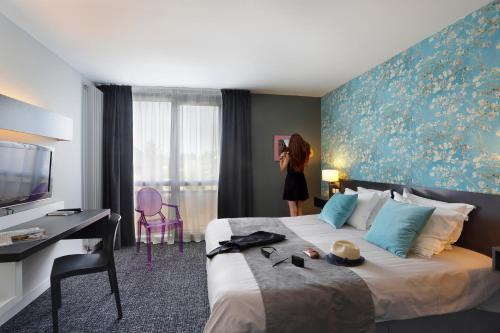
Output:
x=284 y=159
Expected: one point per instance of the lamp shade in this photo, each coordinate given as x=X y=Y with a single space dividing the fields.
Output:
x=329 y=175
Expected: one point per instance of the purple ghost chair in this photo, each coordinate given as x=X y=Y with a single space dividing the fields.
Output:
x=149 y=204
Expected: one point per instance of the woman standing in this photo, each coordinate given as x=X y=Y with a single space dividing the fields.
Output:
x=293 y=159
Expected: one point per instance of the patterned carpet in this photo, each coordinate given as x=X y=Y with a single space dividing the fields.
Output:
x=172 y=297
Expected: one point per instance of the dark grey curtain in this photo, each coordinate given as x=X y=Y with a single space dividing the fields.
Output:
x=118 y=173
x=235 y=197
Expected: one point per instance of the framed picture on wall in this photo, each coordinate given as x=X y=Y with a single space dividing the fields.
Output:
x=280 y=142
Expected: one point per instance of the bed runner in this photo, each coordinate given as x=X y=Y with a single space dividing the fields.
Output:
x=319 y=298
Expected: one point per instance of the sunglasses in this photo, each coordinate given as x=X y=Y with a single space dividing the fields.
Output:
x=267 y=251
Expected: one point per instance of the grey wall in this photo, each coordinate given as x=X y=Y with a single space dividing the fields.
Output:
x=282 y=115
x=33 y=74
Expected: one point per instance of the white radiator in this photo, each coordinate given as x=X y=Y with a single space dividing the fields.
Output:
x=92 y=151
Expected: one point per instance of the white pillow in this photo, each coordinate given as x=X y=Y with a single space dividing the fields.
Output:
x=443 y=228
x=441 y=222
x=386 y=193
x=438 y=233
x=360 y=218
x=383 y=196
x=463 y=208
x=400 y=198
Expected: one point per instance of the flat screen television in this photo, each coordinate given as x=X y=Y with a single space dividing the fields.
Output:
x=25 y=173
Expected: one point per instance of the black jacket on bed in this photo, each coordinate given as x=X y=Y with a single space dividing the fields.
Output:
x=238 y=243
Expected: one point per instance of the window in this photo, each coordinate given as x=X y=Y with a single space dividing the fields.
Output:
x=177 y=135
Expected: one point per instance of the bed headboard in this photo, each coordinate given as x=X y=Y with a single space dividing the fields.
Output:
x=482 y=230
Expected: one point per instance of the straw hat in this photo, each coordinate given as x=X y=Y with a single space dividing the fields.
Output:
x=344 y=253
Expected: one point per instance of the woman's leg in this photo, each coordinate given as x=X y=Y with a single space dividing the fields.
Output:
x=299 y=208
x=292 y=206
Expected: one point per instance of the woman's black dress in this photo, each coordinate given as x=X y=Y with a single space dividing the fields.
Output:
x=295 y=186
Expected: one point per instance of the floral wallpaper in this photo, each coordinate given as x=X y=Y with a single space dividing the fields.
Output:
x=427 y=117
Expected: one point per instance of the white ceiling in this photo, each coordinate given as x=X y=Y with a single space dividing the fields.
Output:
x=292 y=47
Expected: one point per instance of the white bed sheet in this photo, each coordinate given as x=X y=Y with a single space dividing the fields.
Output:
x=454 y=280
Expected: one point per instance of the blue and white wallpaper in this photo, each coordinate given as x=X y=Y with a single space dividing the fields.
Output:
x=427 y=117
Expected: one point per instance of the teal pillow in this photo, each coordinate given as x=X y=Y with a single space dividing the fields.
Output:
x=397 y=225
x=338 y=209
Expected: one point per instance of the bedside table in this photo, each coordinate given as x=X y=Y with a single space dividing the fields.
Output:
x=496 y=258
x=320 y=201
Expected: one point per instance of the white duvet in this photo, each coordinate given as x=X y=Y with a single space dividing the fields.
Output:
x=452 y=281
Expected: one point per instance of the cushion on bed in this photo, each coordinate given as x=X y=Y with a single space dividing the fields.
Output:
x=361 y=218
x=383 y=196
x=338 y=209
x=386 y=193
x=435 y=236
x=462 y=208
x=397 y=225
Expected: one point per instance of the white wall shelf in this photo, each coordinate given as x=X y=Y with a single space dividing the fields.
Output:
x=26 y=118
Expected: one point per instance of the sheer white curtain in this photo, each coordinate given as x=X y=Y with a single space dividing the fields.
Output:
x=177 y=137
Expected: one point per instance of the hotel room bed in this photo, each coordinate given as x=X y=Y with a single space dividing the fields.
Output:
x=401 y=289
x=455 y=280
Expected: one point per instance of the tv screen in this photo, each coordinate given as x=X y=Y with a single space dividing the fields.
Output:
x=25 y=173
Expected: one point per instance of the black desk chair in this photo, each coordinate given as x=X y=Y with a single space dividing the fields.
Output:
x=81 y=264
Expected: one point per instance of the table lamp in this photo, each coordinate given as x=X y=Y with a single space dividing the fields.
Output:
x=332 y=177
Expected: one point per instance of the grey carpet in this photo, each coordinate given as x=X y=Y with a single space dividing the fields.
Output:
x=172 y=297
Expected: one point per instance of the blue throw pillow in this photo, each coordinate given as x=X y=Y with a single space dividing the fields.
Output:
x=338 y=209
x=397 y=225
